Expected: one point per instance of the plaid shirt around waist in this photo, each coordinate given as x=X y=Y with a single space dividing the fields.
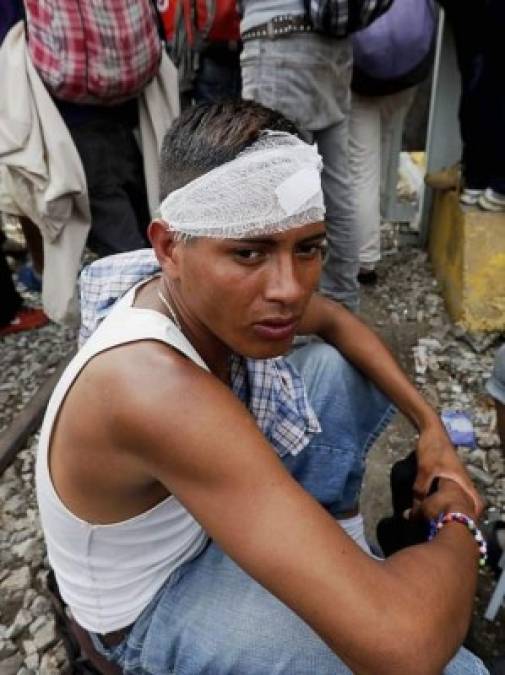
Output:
x=271 y=389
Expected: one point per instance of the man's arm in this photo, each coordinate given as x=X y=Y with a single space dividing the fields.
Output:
x=190 y=432
x=362 y=347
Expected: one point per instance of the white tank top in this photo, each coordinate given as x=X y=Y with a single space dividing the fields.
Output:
x=107 y=574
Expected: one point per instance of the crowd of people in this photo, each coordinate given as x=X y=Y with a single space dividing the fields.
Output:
x=205 y=517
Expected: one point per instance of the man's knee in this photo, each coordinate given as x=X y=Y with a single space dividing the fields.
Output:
x=347 y=403
x=323 y=369
x=318 y=356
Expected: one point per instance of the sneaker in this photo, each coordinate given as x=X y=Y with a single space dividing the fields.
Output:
x=27 y=318
x=445 y=179
x=491 y=200
x=470 y=196
x=29 y=278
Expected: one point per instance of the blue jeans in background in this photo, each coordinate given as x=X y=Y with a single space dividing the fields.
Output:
x=210 y=617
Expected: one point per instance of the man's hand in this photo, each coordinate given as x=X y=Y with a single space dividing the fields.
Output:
x=448 y=498
x=437 y=458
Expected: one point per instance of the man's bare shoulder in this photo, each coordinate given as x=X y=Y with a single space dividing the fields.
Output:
x=140 y=374
x=149 y=396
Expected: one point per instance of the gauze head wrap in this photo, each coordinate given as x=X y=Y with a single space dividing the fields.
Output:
x=271 y=186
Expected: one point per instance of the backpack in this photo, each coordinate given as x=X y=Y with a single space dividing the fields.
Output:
x=93 y=52
x=339 y=18
x=192 y=25
x=396 y=51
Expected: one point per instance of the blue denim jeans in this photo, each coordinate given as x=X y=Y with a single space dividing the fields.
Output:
x=210 y=617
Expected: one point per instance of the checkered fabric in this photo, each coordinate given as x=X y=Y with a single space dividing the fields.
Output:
x=342 y=17
x=271 y=389
x=93 y=51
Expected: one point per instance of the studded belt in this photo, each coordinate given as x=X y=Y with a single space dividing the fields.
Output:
x=278 y=26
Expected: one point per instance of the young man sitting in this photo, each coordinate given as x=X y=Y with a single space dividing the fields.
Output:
x=199 y=494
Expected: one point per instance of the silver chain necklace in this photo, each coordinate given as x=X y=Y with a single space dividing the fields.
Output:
x=169 y=308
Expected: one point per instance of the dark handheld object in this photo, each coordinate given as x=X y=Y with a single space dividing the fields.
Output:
x=396 y=532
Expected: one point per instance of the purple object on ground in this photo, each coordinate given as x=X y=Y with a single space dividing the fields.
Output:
x=459 y=427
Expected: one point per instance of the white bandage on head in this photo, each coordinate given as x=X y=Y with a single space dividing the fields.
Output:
x=272 y=186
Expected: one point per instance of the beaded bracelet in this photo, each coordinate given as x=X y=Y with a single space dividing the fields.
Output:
x=457 y=517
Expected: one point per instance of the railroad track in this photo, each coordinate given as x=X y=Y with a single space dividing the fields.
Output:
x=28 y=420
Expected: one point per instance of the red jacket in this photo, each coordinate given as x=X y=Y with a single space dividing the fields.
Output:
x=225 y=25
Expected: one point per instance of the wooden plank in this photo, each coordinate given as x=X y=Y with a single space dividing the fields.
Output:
x=26 y=422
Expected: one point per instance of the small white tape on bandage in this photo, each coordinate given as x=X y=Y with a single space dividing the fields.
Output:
x=296 y=190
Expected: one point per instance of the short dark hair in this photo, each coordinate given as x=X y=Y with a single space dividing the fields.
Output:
x=206 y=136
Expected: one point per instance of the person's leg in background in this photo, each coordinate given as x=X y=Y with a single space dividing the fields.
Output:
x=365 y=170
x=11 y=300
x=14 y=317
x=492 y=100
x=340 y=270
x=34 y=243
x=373 y=122
x=131 y=171
x=393 y=110
x=116 y=187
x=467 y=20
x=30 y=274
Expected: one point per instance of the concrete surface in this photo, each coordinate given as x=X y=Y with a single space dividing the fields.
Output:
x=467 y=250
